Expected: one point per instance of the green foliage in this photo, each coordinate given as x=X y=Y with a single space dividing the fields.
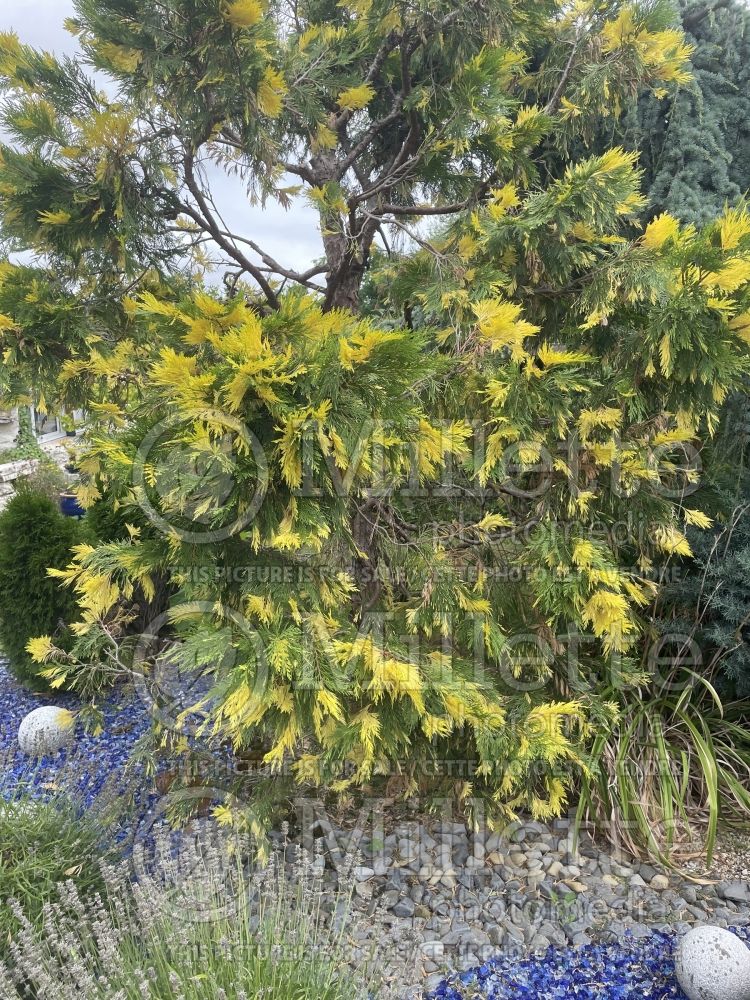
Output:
x=25 y=445
x=213 y=929
x=33 y=537
x=343 y=671
x=47 y=480
x=381 y=115
x=108 y=520
x=711 y=600
x=720 y=588
x=676 y=765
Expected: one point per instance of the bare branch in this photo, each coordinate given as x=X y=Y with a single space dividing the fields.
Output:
x=206 y=221
x=369 y=135
x=272 y=265
x=552 y=104
x=412 y=236
x=452 y=209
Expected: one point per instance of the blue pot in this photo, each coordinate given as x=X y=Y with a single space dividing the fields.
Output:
x=69 y=505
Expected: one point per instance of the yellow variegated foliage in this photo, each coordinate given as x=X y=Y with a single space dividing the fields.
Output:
x=424 y=518
x=665 y=54
x=500 y=324
x=271 y=91
x=664 y=227
x=244 y=13
x=355 y=98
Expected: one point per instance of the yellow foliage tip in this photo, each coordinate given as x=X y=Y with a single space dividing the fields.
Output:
x=58 y=218
x=500 y=323
x=659 y=231
x=606 y=416
x=616 y=160
x=672 y=541
x=41 y=649
x=271 y=91
x=244 y=13
x=355 y=98
x=697 y=518
x=119 y=57
x=734 y=226
x=608 y=614
x=734 y=274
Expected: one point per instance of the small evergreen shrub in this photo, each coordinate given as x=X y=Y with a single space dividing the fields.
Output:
x=720 y=587
x=711 y=601
x=33 y=537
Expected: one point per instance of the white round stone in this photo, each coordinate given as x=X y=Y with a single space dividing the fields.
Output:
x=45 y=730
x=713 y=964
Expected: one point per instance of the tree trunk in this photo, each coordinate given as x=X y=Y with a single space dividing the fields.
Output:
x=347 y=261
x=343 y=292
x=347 y=258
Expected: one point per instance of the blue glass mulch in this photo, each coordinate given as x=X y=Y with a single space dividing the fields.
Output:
x=630 y=969
x=94 y=759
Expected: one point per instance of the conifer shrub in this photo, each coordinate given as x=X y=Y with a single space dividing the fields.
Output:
x=47 y=480
x=34 y=536
x=105 y=522
x=392 y=540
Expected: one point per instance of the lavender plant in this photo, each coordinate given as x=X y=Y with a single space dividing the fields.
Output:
x=49 y=835
x=198 y=923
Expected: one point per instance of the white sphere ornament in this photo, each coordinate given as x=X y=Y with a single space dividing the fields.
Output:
x=46 y=730
x=713 y=964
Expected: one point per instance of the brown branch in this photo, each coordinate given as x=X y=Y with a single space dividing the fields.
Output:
x=552 y=104
x=387 y=46
x=456 y=206
x=301 y=277
x=368 y=136
x=206 y=221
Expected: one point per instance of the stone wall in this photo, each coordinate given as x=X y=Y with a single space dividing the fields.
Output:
x=10 y=472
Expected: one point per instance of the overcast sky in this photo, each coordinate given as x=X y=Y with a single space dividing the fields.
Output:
x=289 y=236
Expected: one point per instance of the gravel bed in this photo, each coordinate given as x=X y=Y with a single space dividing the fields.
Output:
x=731 y=858
x=94 y=760
x=461 y=899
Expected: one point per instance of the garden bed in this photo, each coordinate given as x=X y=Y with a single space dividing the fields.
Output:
x=461 y=903
x=124 y=722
